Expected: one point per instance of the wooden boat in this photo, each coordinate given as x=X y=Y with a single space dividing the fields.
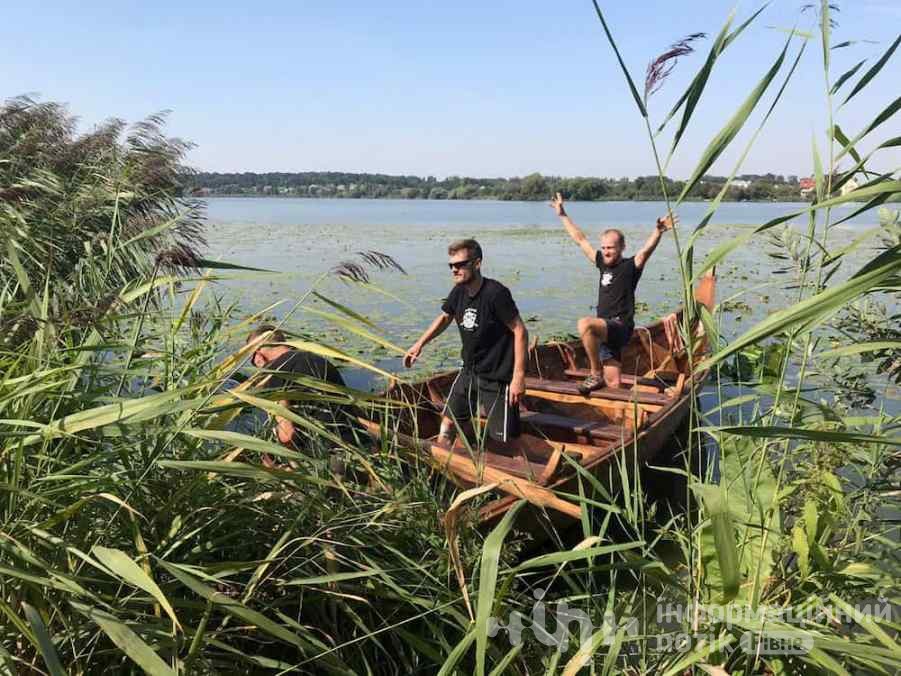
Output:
x=558 y=421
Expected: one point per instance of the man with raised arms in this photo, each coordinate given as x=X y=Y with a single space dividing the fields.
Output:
x=495 y=344
x=605 y=335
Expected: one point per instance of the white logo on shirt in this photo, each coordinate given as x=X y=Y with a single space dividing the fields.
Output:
x=469 y=318
x=607 y=279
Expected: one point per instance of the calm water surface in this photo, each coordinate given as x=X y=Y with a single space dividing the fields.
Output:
x=525 y=248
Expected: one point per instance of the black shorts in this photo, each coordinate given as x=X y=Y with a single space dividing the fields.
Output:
x=471 y=396
x=618 y=334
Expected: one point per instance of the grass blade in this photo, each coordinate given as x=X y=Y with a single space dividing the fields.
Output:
x=716 y=507
x=128 y=642
x=861 y=348
x=775 y=432
x=722 y=140
x=622 y=65
x=124 y=567
x=816 y=307
x=845 y=76
x=870 y=74
x=491 y=553
x=45 y=643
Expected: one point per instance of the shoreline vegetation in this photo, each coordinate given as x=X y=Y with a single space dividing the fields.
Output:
x=531 y=188
x=142 y=530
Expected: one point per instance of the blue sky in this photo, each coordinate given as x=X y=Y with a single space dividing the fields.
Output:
x=490 y=88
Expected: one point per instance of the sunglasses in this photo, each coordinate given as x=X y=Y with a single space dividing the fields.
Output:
x=458 y=265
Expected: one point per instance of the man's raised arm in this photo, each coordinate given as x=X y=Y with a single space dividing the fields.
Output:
x=664 y=223
x=577 y=235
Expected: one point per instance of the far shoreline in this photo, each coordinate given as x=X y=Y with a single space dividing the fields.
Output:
x=484 y=199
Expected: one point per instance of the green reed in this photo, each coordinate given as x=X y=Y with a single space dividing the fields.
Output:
x=140 y=532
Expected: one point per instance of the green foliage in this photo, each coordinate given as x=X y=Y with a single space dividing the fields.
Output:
x=141 y=530
x=534 y=187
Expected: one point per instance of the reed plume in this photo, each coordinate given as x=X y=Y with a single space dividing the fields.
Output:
x=660 y=68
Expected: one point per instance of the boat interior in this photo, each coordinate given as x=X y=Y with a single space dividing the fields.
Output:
x=557 y=420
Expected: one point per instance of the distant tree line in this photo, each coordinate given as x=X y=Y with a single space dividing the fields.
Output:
x=532 y=187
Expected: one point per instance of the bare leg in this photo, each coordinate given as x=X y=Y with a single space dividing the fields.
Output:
x=448 y=431
x=612 y=373
x=593 y=332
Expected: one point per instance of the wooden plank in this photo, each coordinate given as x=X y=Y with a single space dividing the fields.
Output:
x=518 y=466
x=617 y=412
x=588 y=428
x=464 y=469
x=627 y=378
x=571 y=389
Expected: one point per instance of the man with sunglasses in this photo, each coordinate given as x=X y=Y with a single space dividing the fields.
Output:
x=495 y=343
x=282 y=362
x=604 y=336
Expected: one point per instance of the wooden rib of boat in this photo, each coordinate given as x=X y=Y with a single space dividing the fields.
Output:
x=558 y=421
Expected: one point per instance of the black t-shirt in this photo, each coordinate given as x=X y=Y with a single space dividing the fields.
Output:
x=312 y=366
x=482 y=319
x=304 y=364
x=616 y=289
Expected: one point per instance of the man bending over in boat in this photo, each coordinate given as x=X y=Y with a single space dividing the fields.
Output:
x=282 y=362
x=495 y=343
x=605 y=336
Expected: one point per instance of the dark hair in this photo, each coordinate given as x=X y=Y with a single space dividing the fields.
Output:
x=470 y=245
x=276 y=335
x=619 y=233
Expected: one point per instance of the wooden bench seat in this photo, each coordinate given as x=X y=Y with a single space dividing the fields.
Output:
x=572 y=389
x=587 y=428
x=628 y=379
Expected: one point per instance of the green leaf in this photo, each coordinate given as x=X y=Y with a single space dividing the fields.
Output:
x=333 y=353
x=491 y=553
x=123 y=411
x=575 y=555
x=45 y=643
x=622 y=65
x=455 y=655
x=802 y=549
x=507 y=660
x=861 y=348
x=870 y=74
x=839 y=136
x=218 y=265
x=124 y=567
x=692 y=94
x=774 y=432
x=243 y=471
x=128 y=642
x=351 y=327
x=724 y=137
x=811 y=520
x=345 y=310
x=716 y=508
x=815 y=308
x=700 y=652
x=246 y=441
x=235 y=608
x=844 y=77
x=721 y=251
x=818 y=170
x=335 y=577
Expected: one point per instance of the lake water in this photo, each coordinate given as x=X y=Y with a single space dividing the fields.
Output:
x=525 y=247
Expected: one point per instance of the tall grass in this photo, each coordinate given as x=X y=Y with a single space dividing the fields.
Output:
x=141 y=532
